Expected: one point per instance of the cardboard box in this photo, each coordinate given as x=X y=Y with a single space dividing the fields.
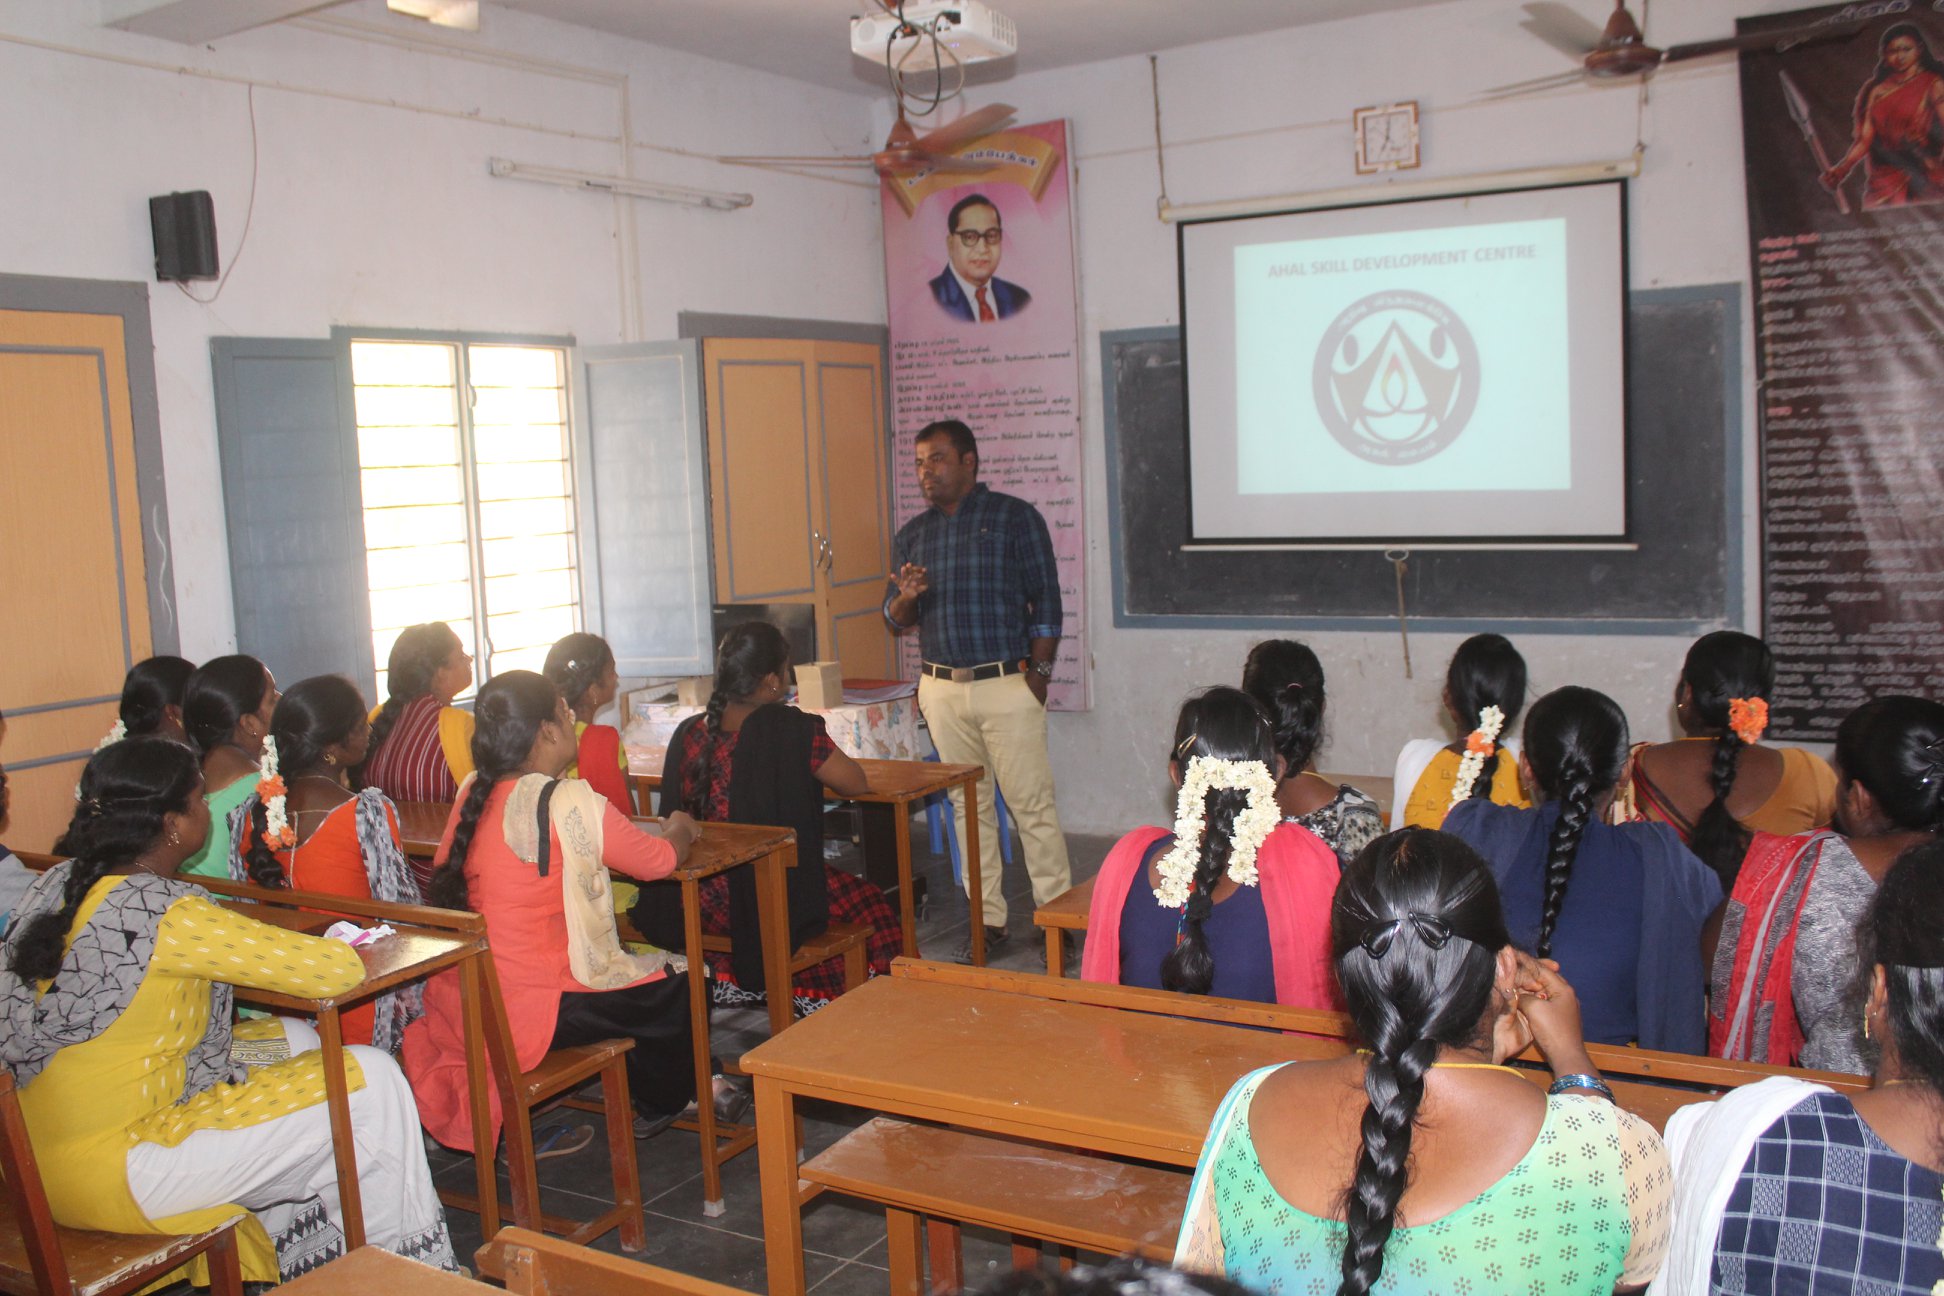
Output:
x=820 y=685
x=694 y=691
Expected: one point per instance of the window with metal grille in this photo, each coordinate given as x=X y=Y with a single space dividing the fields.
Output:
x=466 y=469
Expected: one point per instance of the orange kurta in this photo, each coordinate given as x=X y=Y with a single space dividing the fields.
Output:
x=526 y=927
x=331 y=861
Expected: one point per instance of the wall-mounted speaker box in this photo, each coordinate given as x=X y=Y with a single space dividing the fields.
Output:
x=184 y=225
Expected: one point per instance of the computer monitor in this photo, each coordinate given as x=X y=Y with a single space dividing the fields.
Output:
x=797 y=621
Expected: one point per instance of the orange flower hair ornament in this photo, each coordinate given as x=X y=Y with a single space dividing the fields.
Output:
x=1748 y=718
x=270 y=789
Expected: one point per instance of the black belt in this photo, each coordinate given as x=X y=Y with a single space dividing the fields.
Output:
x=968 y=674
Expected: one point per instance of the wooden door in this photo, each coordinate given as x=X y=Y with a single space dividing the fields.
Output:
x=856 y=505
x=73 y=584
x=758 y=394
x=800 y=508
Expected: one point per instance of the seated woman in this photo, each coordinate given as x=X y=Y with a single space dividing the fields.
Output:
x=1786 y=1186
x=1235 y=901
x=304 y=828
x=151 y=701
x=421 y=745
x=530 y=852
x=1784 y=981
x=1621 y=908
x=1485 y=688
x=1286 y=680
x=750 y=758
x=581 y=666
x=1716 y=785
x=226 y=709
x=1466 y=1177
x=116 y=1000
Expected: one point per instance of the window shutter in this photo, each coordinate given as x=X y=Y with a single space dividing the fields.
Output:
x=644 y=514
x=292 y=501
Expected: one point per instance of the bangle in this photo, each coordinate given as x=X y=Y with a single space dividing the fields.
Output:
x=1580 y=1080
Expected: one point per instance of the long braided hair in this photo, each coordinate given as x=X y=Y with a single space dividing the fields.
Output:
x=1720 y=668
x=1486 y=671
x=1286 y=681
x=507 y=717
x=1415 y=931
x=126 y=790
x=576 y=664
x=150 y=689
x=217 y=697
x=416 y=656
x=1225 y=724
x=1576 y=744
x=313 y=715
x=747 y=653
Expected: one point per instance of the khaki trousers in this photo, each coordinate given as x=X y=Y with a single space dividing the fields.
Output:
x=999 y=724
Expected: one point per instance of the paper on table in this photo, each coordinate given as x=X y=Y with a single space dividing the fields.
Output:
x=354 y=936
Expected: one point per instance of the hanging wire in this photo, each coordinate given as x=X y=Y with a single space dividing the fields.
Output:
x=249 y=214
x=941 y=54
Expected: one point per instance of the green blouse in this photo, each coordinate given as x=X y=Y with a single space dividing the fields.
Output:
x=213 y=859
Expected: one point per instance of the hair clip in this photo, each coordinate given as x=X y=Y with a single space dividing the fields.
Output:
x=1181 y=748
x=1431 y=929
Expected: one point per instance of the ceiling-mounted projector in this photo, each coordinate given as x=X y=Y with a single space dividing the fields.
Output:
x=965 y=29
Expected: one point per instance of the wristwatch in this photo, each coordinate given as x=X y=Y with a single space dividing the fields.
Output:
x=1043 y=669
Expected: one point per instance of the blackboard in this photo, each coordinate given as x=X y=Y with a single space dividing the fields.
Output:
x=1684 y=500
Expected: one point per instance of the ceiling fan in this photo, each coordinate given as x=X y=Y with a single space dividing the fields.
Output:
x=906 y=152
x=1619 y=50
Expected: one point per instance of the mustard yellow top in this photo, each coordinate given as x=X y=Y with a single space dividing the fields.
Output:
x=93 y=1101
x=1431 y=798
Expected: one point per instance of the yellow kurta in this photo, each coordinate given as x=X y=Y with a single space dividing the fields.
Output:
x=1431 y=798
x=94 y=1101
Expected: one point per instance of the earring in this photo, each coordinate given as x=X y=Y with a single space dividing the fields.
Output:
x=175 y=839
x=1866 y=1025
x=329 y=759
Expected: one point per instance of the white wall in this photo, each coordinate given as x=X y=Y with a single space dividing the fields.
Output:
x=1270 y=115
x=374 y=206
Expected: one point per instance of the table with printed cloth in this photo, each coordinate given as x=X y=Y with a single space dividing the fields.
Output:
x=881 y=730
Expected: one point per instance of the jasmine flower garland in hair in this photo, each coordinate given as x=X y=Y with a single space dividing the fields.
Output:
x=113 y=736
x=1252 y=826
x=270 y=787
x=1479 y=744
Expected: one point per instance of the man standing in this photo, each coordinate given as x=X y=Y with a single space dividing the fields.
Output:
x=969 y=288
x=975 y=575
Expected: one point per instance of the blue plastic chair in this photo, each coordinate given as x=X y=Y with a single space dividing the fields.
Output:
x=942 y=823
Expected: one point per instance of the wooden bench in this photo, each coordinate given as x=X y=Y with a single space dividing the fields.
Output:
x=947 y=1178
x=561 y=1072
x=532 y=1264
x=38 y=1256
x=849 y=941
x=1063 y=913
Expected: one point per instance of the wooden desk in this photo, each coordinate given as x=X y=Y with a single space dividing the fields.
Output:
x=1070 y=1074
x=408 y=955
x=899 y=784
x=719 y=848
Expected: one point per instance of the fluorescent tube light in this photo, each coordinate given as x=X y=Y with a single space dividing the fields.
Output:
x=618 y=185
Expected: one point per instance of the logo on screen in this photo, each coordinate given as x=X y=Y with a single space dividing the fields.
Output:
x=1396 y=377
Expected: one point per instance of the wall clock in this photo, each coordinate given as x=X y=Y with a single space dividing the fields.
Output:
x=1387 y=137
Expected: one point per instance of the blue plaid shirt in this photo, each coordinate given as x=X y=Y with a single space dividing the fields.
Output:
x=994 y=586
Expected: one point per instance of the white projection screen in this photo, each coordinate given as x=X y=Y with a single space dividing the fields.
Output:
x=1444 y=370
